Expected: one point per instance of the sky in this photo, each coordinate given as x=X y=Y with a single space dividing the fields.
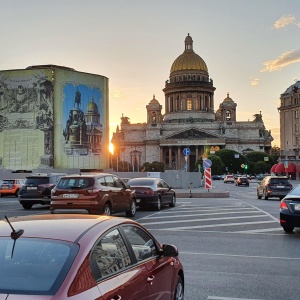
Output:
x=251 y=48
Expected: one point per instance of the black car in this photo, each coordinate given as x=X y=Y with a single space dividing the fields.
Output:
x=273 y=186
x=152 y=192
x=290 y=210
x=37 y=189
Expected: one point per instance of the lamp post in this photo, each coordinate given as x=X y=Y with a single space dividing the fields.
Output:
x=133 y=158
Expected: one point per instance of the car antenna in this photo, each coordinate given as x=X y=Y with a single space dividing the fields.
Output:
x=14 y=235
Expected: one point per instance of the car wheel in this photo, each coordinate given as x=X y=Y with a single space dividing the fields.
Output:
x=132 y=211
x=51 y=211
x=265 y=196
x=107 y=210
x=288 y=229
x=158 y=205
x=173 y=203
x=26 y=205
x=258 y=195
x=179 y=290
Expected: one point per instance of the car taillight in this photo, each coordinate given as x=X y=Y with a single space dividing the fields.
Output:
x=149 y=192
x=283 y=205
x=93 y=192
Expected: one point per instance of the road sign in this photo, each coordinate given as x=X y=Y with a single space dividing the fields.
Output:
x=243 y=166
x=207 y=163
x=186 y=151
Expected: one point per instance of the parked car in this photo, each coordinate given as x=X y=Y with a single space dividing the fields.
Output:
x=229 y=178
x=99 y=193
x=290 y=210
x=11 y=187
x=37 y=189
x=242 y=181
x=216 y=177
x=78 y=256
x=152 y=192
x=273 y=186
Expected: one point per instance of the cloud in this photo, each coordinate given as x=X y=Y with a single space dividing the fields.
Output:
x=254 y=82
x=285 y=59
x=284 y=21
x=117 y=94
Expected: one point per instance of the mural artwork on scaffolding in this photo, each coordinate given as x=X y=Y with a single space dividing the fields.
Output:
x=26 y=120
x=82 y=133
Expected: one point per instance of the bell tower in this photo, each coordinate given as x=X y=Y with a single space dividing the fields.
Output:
x=154 y=115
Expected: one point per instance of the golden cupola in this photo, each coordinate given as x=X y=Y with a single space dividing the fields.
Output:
x=189 y=60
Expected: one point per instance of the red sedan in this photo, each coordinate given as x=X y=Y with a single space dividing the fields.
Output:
x=85 y=257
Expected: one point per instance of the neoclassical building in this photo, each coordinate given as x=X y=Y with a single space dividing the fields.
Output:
x=189 y=121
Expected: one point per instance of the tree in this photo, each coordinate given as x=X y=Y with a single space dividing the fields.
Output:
x=217 y=166
x=232 y=160
x=258 y=156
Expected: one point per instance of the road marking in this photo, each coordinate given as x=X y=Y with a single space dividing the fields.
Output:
x=204 y=220
x=212 y=225
x=200 y=215
x=260 y=230
x=228 y=298
x=239 y=255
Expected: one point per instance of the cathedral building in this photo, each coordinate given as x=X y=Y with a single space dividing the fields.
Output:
x=190 y=123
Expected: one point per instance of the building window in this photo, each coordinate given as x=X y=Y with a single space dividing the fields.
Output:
x=228 y=115
x=296 y=112
x=189 y=103
x=296 y=127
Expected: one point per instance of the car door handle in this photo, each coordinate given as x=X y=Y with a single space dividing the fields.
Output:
x=150 y=279
x=118 y=297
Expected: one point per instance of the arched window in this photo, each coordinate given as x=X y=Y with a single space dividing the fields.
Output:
x=153 y=118
x=228 y=115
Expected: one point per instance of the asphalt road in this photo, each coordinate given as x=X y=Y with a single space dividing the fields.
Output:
x=231 y=248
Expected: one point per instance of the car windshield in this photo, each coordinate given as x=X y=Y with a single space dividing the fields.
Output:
x=140 y=182
x=34 y=266
x=37 y=181
x=75 y=183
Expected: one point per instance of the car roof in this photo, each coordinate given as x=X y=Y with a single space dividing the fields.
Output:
x=67 y=227
x=87 y=175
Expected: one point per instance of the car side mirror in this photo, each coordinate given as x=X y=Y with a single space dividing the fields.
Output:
x=169 y=250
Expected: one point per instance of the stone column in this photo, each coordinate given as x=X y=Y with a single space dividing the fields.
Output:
x=170 y=157
x=178 y=158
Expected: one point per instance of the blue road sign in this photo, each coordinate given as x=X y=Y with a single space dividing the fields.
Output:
x=207 y=163
x=186 y=151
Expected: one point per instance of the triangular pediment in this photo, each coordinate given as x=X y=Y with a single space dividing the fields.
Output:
x=192 y=134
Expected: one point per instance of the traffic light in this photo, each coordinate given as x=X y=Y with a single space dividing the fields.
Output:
x=246 y=167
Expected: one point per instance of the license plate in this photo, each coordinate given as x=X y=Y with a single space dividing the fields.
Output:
x=70 y=195
x=31 y=188
x=280 y=186
x=297 y=207
x=138 y=200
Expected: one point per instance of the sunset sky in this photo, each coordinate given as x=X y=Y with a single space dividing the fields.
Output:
x=251 y=48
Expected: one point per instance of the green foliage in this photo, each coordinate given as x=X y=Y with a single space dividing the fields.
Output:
x=217 y=166
x=233 y=164
x=154 y=167
x=261 y=167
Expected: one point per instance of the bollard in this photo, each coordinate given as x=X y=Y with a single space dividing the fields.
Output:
x=190 y=196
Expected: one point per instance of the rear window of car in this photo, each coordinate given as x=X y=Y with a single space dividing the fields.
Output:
x=75 y=182
x=279 y=181
x=34 y=266
x=35 y=181
x=140 y=182
x=8 y=182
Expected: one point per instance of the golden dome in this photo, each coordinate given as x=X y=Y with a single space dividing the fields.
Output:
x=228 y=99
x=92 y=106
x=189 y=60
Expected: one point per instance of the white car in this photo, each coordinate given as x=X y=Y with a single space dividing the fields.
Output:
x=229 y=178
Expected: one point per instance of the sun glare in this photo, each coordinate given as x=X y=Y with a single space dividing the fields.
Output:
x=111 y=148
